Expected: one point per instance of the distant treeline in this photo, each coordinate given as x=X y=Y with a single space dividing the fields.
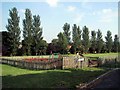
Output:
x=34 y=44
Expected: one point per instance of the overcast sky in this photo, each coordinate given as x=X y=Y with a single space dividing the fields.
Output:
x=53 y=15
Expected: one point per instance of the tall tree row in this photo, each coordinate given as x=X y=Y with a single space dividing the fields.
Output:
x=13 y=31
x=33 y=43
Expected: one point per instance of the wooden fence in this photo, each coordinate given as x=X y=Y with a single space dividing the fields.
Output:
x=71 y=62
x=61 y=63
x=97 y=62
x=35 y=65
x=57 y=63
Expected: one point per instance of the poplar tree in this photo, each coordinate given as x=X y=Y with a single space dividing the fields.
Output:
x=116 y=43
x=62 y=42
x=37 y=33
x=100 y=42
x=13 y=31
x=93 y=41
x=27 y=31
x=86 y=41
x=109 y=41
x=67 y=32
x=76 y=34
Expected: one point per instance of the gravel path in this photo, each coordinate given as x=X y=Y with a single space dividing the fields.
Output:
x=112 y=81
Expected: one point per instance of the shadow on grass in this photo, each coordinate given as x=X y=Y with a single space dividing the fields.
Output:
x=51 y=79
x=111 y=65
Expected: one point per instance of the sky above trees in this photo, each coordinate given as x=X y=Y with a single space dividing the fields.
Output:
x=53 y=15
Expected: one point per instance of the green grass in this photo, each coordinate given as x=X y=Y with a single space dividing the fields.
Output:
x=101 y=55
x=14 y=77
x=47 y=56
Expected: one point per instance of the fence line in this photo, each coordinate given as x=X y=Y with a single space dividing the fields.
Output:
x=61 y=63
x=35 y=65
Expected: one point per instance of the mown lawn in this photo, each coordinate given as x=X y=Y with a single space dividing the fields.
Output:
x=101 y=55
x=49 y=56
x=13 y=77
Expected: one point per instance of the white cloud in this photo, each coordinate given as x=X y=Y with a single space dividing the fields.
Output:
x=108 y=15
x=22 y=11
x=105 y=11
x=105 y=15
x=85 y=4
x=93 y=13
x=52 y=3
x=78 y=18
x=105 y=19
x=71 y=8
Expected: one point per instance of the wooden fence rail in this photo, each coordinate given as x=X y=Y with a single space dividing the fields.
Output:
x=35 y=65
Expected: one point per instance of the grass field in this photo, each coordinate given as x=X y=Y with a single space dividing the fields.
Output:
x=13 y=77
x=49 y=56
x=101 y=55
